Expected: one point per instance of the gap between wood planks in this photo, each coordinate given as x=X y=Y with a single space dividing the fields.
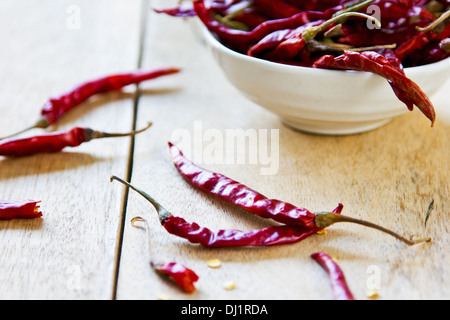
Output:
x=130 y=160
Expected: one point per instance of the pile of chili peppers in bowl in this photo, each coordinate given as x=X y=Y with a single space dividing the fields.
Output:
x=329 y=66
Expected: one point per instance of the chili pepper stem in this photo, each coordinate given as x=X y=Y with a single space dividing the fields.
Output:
x=42 y=123
x=311 y=32
x=314 y=45
x=355 y=7
x=162 y=212
x=435 y=23
x=93 y=134
x=327 y=219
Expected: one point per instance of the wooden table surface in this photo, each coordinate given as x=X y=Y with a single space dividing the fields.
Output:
x=84 y=246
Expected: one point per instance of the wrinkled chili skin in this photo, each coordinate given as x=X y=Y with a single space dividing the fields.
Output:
x=56 y=107
x=270 y=236
x=46 y=143
x=19 y=210
x=182 y=276
x=239 y=194
x=339 y=285
x=405 y=89
x=242 y=40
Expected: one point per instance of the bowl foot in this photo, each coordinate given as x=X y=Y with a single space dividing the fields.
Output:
x=334 y=128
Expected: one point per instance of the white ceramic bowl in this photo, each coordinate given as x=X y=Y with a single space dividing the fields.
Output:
x=321 y=101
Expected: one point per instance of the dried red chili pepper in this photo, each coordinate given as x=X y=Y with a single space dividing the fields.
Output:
x=339 y=285
x=56 y=107
x=19 y=210
x=270 y=236
x=286 y=44
x=405 y=89
x=238 y=194
x=184 y=277
x=56 y=141
x=276 y=9
x=255 y=203
x=241 y=38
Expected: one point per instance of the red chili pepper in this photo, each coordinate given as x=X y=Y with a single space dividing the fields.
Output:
x=270 y=236
x=276 y=9
x=405 y=89
x=234 y=36
x=178 y=273
x=56 y=107
x=56 y=141
x=182 y=276
x=339 y=285
x=240 y=195
x=19 y=210
x=255 y=203
x=286 y=44
x=318 y=5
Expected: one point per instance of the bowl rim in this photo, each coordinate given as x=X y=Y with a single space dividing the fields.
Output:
x=213 y=41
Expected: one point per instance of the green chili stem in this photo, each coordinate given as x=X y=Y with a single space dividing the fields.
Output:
x=354 y=7
x=40 y=124
x=162 y=212
x=327 y=219
x=314 y=45
x=100 y=135
x=228 y=19
x=435 y=23
x=310 y=32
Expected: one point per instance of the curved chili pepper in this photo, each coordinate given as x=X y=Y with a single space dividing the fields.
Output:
x=288 y=43
x=56 y=107
x=270 y=236
x=253 y=202
x=178 y=273
x=19 y=210
x=238 y=194
x=405 y=89
x=339 y=285
x=253 y=36
x=56 y=141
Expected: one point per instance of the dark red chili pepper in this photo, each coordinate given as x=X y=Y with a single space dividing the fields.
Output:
x=339 y=285
x=276 y=9
x=286 y=44
x=19 y=210
x=239 y=194
x=270 y=236
x=55 y=142
x=255 y=203
x=249 y=37
x=178 y=273
x=56 y=107
x=405 y=89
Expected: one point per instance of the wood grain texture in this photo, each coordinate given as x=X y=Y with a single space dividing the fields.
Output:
x=387 y=176
x=48 y=48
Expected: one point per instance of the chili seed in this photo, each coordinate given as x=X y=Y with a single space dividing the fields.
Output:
x=229 y=285
x=164 y=297
x=214 y=263
x=372 y=294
